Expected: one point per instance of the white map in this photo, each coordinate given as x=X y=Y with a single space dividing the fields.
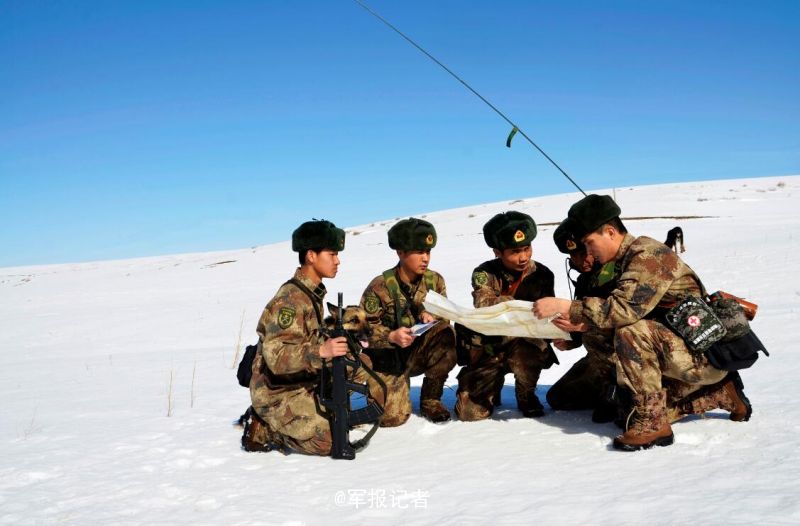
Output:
x=509 y=318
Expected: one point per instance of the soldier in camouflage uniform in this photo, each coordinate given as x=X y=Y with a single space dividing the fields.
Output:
x=652 y=279
x=291 y=347
x=591 y=379
x=393 y=302
x=512 y=274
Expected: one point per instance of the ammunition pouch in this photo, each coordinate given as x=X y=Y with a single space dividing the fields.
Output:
x=732 y=316
x=470 y=345
x=740 y=346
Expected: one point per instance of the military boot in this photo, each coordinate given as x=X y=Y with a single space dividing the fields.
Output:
x=727 y=394
x=468 y=410
x=257 y=436
x=527 y=401
x=679 y=411
x=649 y=425
x=735 y=401
x=430 y=403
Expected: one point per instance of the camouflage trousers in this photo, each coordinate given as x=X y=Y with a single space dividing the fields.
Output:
x=651 y=357
x=295 y=420
x=479 y=383
x=432 y=354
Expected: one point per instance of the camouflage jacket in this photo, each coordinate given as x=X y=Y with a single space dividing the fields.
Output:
x=384 y=311
x=491 y=283
x=290 y=333
x=651 y=277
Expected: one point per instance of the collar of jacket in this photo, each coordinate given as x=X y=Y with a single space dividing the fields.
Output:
x=318 y=291
x=627 y=241
x=408 y=286
x=510 y=277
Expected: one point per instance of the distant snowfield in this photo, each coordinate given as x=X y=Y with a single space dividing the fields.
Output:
x=88 y=352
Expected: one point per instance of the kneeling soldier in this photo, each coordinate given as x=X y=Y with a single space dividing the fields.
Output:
x=652 y=279
x=393 y=302
x=513 y=274
x=291 y=346
x=588 y=383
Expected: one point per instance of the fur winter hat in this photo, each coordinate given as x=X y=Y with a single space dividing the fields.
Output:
x=509 y=230
x=318 y=235
x=592 y=212
x=412 y=234
x=564 y=237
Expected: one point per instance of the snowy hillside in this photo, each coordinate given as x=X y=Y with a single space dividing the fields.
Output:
x=93 y=356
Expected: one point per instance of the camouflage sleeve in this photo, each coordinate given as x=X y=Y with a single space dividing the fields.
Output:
x=375 y=307
x=647 y=275
x=486 y=288
x=288 y=344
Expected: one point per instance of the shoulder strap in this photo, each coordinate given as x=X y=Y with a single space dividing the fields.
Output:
x=430 y=280
x=391 y=283
x=393 y=287
x=390 y=278
x=299 y=284
x=512 y=287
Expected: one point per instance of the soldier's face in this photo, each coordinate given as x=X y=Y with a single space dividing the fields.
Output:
x=515 y=259
x=325 y=263
x=603 y=245
x=414 y=262
x=582 y=261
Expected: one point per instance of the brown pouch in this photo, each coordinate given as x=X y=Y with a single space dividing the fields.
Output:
x=750 y=309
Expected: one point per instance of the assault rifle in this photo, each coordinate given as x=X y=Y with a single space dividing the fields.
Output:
x=335 y=387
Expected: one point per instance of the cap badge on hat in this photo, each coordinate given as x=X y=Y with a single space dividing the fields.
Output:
x=429 y=239
x=519 y=235
x=571 y=244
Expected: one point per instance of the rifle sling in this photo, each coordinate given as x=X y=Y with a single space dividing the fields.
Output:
x=300 y=285
x=363 y=441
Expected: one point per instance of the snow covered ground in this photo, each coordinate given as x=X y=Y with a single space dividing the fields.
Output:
x=89 y=354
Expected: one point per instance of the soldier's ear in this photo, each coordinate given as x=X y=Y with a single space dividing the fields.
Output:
x=333 y=309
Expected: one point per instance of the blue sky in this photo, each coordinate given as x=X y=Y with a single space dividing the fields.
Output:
x=141 y=128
